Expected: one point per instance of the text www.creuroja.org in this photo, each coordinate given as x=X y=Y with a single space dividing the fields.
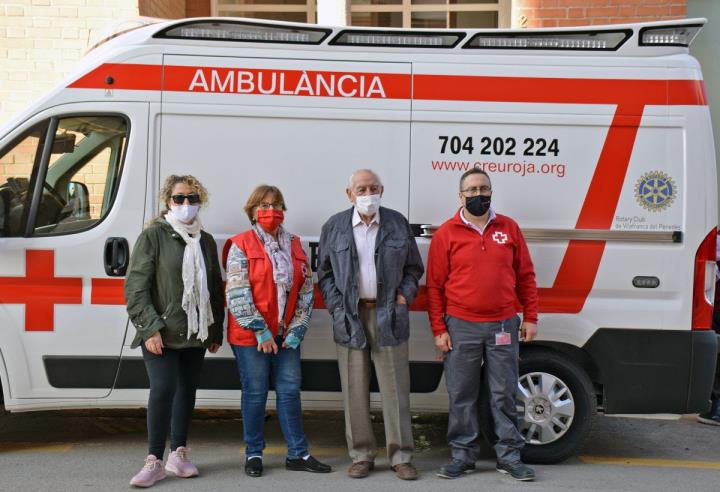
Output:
x=523 y=168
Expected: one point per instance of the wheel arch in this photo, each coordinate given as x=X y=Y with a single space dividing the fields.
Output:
x=573 y=353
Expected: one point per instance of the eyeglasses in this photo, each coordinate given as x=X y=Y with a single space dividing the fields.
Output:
x=476 y=190
x=180 y=199
x=268 y=206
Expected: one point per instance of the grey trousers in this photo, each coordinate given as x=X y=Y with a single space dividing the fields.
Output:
x=472 y=343
x=393 y=373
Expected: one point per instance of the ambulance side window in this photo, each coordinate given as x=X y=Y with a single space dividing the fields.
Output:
x=82 y=173
x=17 y=161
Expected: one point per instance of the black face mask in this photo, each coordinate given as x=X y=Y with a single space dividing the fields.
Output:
x=478 y=205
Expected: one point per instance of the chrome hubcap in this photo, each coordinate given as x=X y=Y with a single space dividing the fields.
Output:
x=545 y=406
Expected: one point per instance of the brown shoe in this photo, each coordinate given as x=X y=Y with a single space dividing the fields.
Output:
x=405 y=471
x=361 y=469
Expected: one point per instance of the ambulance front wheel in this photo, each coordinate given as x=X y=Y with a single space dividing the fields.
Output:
x=556 y=404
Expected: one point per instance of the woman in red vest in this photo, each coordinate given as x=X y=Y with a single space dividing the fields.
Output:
x=270 y=295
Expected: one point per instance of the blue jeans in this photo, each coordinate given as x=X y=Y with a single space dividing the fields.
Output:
x=258 y=373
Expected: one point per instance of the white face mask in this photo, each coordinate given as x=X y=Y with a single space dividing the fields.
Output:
x=367 y=204
x=184 y=213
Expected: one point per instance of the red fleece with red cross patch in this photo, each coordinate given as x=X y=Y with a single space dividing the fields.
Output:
x=479 y=277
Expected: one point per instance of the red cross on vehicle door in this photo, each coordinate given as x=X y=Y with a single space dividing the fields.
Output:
x=39 y=290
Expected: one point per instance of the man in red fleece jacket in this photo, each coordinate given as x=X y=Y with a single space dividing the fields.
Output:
x=478 y=268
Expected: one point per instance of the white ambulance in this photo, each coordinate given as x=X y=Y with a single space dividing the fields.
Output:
x=598 y=142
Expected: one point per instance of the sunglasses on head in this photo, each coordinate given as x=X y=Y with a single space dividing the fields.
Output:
x=180 y=199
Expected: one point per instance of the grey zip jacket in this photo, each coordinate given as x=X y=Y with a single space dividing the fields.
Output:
x=398 y=268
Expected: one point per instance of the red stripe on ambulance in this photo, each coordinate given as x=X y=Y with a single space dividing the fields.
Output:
x=635 y=93
x=109 y=291
x=125 y=76
x=261 y=81
x=581 y=262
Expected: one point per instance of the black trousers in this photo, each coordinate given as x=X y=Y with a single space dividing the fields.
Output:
x=173 y=382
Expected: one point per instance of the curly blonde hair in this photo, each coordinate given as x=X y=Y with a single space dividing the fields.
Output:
x=191 y=181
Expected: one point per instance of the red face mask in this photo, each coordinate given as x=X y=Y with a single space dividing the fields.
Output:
x=270 y=220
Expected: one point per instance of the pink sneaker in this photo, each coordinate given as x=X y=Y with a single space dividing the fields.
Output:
x=179 y=463
x=152 y=472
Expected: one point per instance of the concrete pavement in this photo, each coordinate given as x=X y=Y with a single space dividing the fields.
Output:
x=101 y=450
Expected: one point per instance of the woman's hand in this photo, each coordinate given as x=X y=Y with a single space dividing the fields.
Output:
x=154 y=344
x=213 y=348
x=268 y=347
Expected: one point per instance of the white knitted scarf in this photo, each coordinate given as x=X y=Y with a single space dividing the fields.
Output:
x=196 y=296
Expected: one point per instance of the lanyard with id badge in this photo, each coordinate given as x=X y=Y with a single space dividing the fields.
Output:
x=503 y=338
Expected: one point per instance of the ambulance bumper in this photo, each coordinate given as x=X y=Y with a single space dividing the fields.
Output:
x=654 y=371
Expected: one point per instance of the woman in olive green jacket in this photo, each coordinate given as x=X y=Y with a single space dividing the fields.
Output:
x=175 y=298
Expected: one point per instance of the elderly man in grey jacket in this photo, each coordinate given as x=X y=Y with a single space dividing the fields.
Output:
x=368 y=271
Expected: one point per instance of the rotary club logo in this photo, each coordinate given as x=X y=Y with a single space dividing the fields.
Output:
x=655 y=191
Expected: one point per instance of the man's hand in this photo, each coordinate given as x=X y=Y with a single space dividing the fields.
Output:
x=213 y=348
x=400 y=299
x=528 y=331
x=443 y=342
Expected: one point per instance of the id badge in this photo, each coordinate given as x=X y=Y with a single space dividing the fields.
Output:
x=503 y=338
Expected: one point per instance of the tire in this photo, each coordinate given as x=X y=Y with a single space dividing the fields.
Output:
x=560 y=444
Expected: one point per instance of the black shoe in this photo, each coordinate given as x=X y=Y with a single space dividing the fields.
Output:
x=456 y=469
x=518 y=470
x=309 y=465
x=253 y=467
x=709 y=418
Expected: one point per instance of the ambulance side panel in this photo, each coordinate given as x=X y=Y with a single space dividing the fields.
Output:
x=307 y=146
x=543 y=160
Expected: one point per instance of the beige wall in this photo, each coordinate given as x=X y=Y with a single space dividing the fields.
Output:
x=165 y=9
x=562 y=13
x=41 y=40
x=197 y=8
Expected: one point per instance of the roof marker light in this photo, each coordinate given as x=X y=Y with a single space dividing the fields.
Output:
x=245 y=31
x=669 y=36
x=559 y=40
x=398 y=39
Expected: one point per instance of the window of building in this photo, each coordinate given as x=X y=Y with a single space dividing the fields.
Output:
x=282 y=10
x=430 y=14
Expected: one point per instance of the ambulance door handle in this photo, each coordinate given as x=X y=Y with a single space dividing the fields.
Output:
x=117 y=256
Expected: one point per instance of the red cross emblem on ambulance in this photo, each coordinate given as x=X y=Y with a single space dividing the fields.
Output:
x=500 y=237
x=40 y=290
